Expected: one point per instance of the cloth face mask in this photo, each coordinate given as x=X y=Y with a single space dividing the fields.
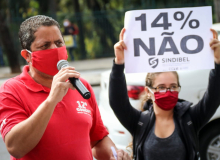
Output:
x=165 y=101
x=46 y=60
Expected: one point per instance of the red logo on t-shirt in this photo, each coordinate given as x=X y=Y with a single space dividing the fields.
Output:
x=82 y=108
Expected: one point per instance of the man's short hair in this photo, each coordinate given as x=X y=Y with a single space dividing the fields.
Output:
x=30 y=26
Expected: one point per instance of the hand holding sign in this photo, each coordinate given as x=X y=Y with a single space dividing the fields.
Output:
x=119 y=49
x=215 y=45
x=168 y=39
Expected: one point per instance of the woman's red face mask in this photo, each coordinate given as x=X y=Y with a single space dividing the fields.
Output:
x=166 y=101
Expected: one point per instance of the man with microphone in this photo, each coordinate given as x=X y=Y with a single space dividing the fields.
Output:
x=42 y=116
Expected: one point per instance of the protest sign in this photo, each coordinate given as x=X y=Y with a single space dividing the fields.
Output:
x=174 y=39
x=69 y=41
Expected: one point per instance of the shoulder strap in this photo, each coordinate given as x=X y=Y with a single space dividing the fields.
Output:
x=141 y=127
x=193 y=136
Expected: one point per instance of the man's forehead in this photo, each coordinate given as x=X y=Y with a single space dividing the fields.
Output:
x=46 y=29
x=48 y=32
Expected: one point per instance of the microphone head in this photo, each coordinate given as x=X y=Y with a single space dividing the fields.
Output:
x=61 y=64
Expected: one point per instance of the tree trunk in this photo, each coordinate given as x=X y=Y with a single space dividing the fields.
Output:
x=217 y=10
x=81 y=29
x=44 y=6
x=53 y=8
x=103 y=26
x=6 y=39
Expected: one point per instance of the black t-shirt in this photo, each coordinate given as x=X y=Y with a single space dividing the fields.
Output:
x=170 y=148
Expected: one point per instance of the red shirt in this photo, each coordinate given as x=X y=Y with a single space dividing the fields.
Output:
x=74 y=124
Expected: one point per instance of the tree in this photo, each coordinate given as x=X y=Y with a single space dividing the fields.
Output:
x=101 y=22
x=78 y=14
x=48 y=7
x=6 y=39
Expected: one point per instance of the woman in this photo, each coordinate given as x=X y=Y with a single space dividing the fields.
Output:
x=168 y=135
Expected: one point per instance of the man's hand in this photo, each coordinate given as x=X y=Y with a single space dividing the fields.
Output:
x=119 y=49
x=215 y=45
x=121 y=155
x=61 y=84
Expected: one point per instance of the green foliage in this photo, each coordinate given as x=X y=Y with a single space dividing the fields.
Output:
x=102 y=20
x=32 y=10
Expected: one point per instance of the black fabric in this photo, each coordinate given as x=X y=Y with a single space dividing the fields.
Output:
x=68 y=30
x=142 y=127
x=199 y=113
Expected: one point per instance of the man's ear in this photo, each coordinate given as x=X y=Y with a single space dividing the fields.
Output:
x=26 y=55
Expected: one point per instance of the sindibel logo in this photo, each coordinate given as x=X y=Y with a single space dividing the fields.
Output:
x=153 y=62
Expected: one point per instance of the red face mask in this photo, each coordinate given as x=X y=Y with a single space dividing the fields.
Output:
x=166 y=101
x=46 y=60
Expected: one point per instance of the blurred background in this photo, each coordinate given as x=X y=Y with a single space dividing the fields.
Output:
x=99 y=22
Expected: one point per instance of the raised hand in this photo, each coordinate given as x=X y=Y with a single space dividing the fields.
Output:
x=215 y=45
x=119 y=48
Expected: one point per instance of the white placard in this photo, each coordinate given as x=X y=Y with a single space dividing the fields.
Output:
x=174 y=39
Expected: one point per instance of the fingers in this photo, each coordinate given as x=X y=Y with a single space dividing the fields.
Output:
x=61 y=78
x=64 y=69
x=215 y=34
x=120 y=45
x=121 y=34
x=122 y=155
x=65 y=85
x=70 y=85
x=66 y=73
x=213 y=41
x=119 y=155
x=215 y=45
x=119 y=48
x=123 y=44
x=58 y=90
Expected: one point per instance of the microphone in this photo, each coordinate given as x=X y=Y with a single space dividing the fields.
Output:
x=75 y=81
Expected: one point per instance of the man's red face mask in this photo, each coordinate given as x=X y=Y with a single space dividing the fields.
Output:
x=46 y=60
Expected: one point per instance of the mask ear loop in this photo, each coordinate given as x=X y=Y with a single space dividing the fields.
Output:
x=28 y=51
x=153 y=98
x=30 y=54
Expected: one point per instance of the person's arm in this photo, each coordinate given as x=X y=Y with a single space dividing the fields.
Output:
x=24 y=136
x=118 y=96
x=206 y=107
x=102 y=150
